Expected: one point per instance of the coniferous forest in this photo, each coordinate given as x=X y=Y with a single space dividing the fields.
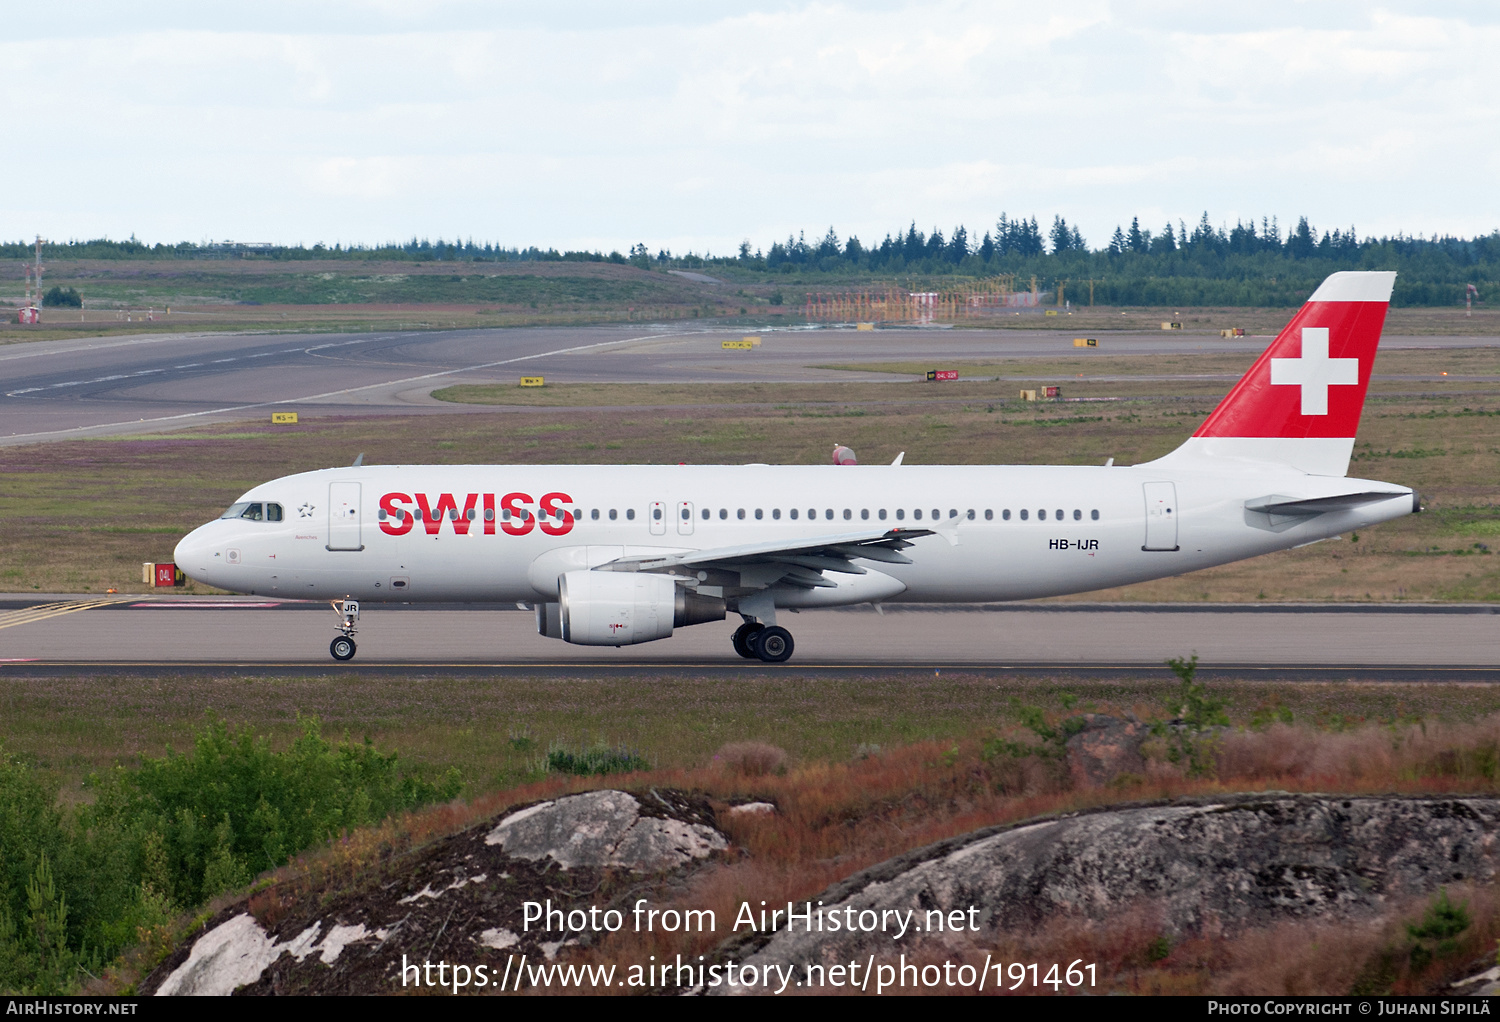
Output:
x=1247 y=264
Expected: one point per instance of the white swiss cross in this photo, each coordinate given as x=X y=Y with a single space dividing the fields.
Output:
x=1314 y=372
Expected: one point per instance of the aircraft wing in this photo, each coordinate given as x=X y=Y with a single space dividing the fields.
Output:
x=797 y=562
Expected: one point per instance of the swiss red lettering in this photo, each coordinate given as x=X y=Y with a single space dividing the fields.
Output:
x=398 y=521
x=561 y=522
x=522 y=520
x=447 y=507
x=489 y=514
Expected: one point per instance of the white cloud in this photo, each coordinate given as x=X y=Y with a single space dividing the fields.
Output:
x=697 y=125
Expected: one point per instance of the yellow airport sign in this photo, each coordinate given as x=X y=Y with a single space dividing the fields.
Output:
x=1050 y=312
x=864 y=326
x=744 y=345
x=1085 y=342
x=283 y=418
x=531 y=381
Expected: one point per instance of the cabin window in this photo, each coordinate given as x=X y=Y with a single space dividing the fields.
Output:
x=864 y=514
x=793 y=513
x=971 y=514
x=706 y=514
x=917 y=514
x=1004 y=515
x=1077 y=515
x=489 y=514
x=848 y=514
x=1041 y=514
x=812 y=514
x=1061 y=514
x=880 y=514
x=630 y=514
x=776 y=514
x=382 y=515
x=900 y=513
x=613 y=514
x=470 y=514
x=723 y=513
x=740 y=514
x=759 y=514
x=1024 y=514
x=953 y=513
x=1094 y=514
x=594 y=514
x=828 y=514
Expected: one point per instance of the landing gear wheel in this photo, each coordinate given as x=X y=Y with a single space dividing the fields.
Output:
x=774 y=645
x=342 y=648
x=744 y=637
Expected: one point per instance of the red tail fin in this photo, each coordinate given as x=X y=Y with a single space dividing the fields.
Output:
x=1300 y=403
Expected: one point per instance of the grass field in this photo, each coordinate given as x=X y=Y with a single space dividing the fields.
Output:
x=496 y=730
x=81 y=516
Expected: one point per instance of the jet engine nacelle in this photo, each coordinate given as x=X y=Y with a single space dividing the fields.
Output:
x=620 y=608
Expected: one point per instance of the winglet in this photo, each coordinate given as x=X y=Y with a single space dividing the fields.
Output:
x=898 y=458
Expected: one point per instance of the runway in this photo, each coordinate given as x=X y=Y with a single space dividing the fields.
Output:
x=110 y=386
x=85 y=634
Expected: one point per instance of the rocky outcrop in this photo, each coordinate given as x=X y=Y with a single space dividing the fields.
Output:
x=1198 y=866
x=462 y=899
x=1104 y=748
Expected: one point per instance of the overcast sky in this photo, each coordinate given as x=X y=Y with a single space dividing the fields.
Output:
x=697 y=125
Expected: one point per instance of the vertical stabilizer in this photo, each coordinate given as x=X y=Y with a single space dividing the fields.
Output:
x=1300 y=403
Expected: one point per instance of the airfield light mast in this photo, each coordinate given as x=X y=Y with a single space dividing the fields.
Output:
x=31 y=310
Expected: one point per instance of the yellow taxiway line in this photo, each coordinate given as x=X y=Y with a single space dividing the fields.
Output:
x=43 y=611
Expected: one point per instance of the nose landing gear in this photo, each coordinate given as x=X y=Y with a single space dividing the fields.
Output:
x=343 y=648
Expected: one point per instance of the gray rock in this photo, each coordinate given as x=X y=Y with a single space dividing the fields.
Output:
x=603 y=828
x=1105 y=748
x=1243 y=861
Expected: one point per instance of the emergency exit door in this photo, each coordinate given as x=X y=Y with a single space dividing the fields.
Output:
x=684 y=518
x=657 y=514
x=1161 y=516
x=343 y=517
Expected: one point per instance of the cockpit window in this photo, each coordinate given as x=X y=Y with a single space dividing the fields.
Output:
x=254 y=511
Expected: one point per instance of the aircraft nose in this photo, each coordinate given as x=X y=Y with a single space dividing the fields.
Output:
x=194 y=554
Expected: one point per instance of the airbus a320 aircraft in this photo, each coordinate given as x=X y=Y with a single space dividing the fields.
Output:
x=614 y=555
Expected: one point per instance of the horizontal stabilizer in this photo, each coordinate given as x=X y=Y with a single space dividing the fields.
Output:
x=1276 y=504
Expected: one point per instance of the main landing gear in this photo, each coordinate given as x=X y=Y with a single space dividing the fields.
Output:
x=343 y=647
x=754 y=641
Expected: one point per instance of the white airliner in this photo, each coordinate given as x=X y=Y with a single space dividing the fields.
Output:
x=614 y=555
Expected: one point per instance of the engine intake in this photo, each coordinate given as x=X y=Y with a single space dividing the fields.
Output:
x=617 y=608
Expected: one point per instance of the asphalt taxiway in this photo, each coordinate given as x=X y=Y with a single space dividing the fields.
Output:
x=80 y=634
x=108 y=386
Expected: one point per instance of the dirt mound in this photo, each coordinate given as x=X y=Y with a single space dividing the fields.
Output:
x=461 y=899
x=1202 y=866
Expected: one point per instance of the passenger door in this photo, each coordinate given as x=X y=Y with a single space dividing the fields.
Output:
x=343 y=517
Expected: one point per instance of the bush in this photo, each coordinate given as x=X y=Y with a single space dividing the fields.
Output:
x=57 y=298
x=751 y=759
x=595 y=762
x=77 y=887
